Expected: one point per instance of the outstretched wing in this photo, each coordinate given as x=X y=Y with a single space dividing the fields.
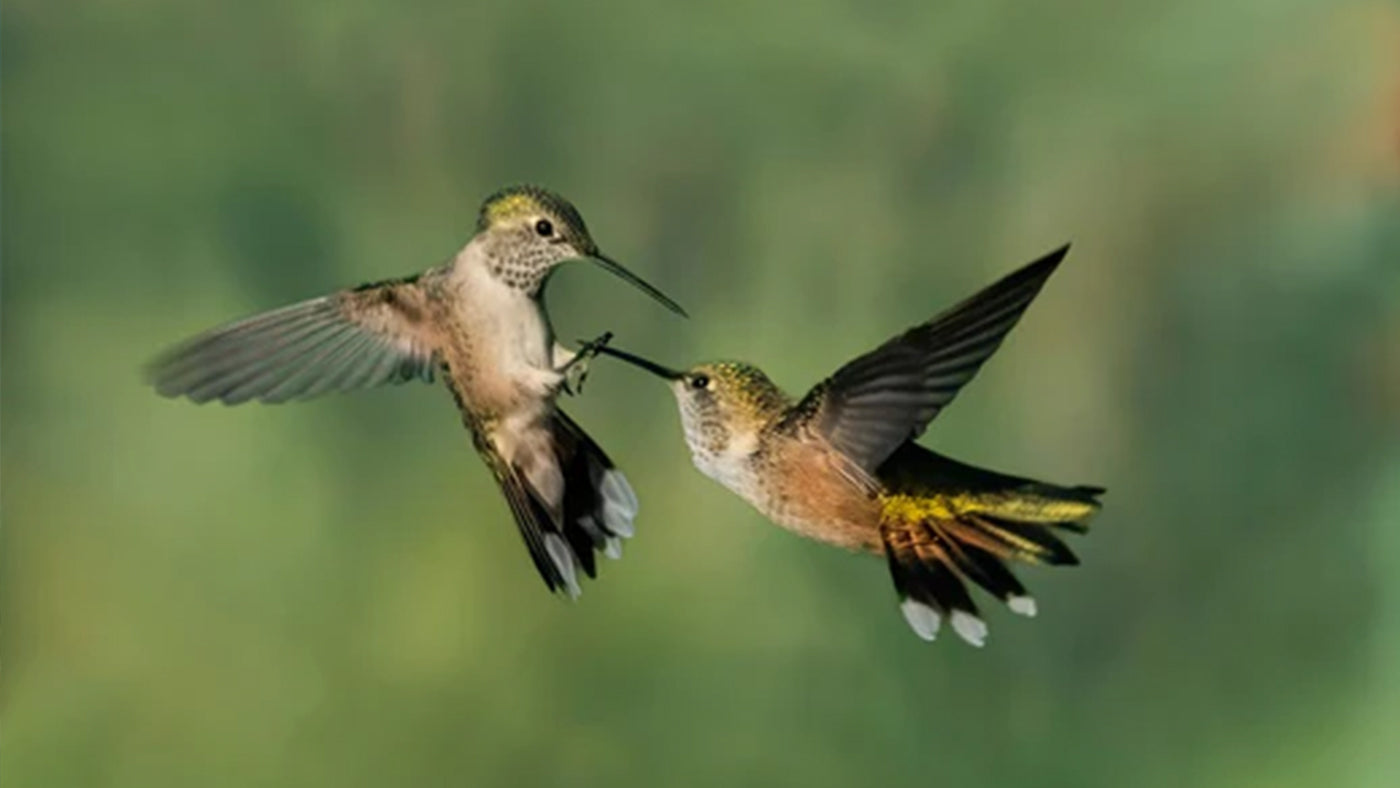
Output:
x=368 y=336
x=889 y=395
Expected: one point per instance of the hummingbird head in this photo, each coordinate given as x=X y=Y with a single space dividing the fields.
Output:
x=526 y=231
x=724 y=407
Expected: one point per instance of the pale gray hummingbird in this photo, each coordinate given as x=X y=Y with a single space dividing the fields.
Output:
x=478 y=320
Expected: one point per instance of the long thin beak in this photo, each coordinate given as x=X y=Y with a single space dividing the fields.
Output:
x=637 y=361
x=616 y=268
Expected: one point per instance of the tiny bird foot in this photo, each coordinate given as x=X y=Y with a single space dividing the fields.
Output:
x=575 y=371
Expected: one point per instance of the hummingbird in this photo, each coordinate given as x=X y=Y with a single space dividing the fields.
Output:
x=840 y=465
x=479 y=322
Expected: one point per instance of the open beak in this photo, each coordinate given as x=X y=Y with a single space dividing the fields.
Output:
x=666 y=373
x=616 y=268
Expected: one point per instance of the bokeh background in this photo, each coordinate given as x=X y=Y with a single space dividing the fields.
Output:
x=333 y=594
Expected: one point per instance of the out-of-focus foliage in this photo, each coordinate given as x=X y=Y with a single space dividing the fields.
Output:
x=332 y=594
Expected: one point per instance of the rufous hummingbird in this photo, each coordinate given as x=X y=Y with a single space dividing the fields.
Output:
x=840 y=465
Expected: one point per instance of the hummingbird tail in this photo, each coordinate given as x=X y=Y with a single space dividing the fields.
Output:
x=952 y=523
x=599 y=504
x=563 y=526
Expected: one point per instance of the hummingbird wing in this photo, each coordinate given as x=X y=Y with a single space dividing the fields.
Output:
x=876 y=402
x=368 y=336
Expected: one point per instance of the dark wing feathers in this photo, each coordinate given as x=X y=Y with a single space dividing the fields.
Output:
x=889 y=395
x=369 y=336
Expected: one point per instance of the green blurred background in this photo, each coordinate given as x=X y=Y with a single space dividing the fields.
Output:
x=333 y=594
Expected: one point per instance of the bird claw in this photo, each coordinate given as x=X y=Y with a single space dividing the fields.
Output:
x=576 y=370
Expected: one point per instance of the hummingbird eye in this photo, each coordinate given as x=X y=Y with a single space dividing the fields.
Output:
x=699 y=382
x=544 y=227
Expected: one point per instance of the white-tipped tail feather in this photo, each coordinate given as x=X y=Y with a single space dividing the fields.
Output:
x=923 y=619
x=1022 y=605
x=619 y=503
x=969 y=627
x=564 y=561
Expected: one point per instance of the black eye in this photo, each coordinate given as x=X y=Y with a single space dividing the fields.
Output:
x=544 y=228
x=699 y=382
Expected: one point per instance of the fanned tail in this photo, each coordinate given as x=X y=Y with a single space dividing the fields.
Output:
x=945 y=523
x=599 y=504
x=569 y=502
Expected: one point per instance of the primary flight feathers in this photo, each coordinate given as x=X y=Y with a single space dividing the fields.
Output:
x=358 y=338
x=878 y=401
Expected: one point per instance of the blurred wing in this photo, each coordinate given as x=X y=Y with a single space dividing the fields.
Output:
x=372 y=335
x=888 y=396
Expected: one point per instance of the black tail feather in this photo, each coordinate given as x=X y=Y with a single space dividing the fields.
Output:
x=984 y=569
x=1026 y=541
x=585 y=465
x=931 y=590
x=533 y=520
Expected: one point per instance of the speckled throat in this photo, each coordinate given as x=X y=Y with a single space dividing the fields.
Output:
x=525 y=269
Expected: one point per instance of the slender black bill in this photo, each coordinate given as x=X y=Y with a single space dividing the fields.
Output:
x=636 y=281
x=637 y=361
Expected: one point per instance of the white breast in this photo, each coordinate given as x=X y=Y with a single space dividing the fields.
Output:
x=732 y=467
x=510 y=339
x=520 y=333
